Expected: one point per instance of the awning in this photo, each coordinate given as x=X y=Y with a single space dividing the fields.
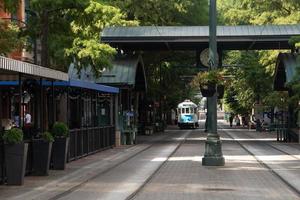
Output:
x=93 y=86
x=71 y=83
x=286 y=69
x=127 y=71
x=17 y=66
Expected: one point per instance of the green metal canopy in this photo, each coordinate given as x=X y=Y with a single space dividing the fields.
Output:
x=196 y=37
x=286 y=69
x=125 y=72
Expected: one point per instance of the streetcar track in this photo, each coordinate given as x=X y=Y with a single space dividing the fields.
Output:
x=277 y=149
x=263 y=164
x=282 y=151
x=76 y=187
x=136 y=192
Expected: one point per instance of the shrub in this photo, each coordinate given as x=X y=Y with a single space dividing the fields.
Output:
x=60 y=129
x=47 y=136
x=13 y=136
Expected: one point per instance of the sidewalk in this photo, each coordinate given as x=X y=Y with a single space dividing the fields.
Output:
x=76 y=173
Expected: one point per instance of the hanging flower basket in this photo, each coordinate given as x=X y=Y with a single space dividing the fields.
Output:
x=207 y=81
x=208 y=90
x=220 y=91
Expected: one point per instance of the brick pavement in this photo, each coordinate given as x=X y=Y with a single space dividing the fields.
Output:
x=183 y=176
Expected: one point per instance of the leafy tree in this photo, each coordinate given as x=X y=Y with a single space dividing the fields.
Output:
x=86 y=28
x=9 y=37
x=250 y=82
x=244 y=12
x=171 y=12
x=69 y=31
x=259 y=12
x=44 y=17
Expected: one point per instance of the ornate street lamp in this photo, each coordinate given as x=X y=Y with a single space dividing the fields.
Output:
x=213 y=148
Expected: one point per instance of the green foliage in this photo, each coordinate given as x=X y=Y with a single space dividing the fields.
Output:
x=208 y=77
x=13 y=136
x=159 y=12
x=294 y=86
x=47 y=136
x=60 y=129
x=168 y=77
x=9 y=37
x=253 y=81
x=69 y=31
x=250 y=82
x=279 y=99
x=9 y=5
x=259 y=12
x=295 y=42
x=87 y=27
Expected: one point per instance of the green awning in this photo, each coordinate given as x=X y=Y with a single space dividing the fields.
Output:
x=125 y=72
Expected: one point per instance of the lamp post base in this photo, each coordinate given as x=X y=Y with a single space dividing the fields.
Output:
x=213 y=151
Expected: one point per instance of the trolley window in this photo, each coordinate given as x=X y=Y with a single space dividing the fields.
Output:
x=183 y=110
x=187 y=110
x=179 y=110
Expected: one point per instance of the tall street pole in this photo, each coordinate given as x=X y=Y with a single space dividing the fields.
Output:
x=213 y=148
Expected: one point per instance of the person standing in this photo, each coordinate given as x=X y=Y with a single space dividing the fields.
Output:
x=27 y=119
x=231 y=119
x=237 y=120
x=27 y=125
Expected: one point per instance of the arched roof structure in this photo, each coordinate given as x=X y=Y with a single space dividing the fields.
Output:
x=286 y=68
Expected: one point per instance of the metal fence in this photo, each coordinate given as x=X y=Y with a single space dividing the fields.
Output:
x=87 y=141
x=2 y=173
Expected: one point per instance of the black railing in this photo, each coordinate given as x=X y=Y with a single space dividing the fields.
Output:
x=2 y=169
x=87 y=141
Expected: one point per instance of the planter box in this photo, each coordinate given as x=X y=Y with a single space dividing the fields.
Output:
x=59 y=153
x=15 y=161
x=208 y=90
x=41 y=157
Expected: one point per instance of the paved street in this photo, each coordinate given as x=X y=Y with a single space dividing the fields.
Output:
x=168 y=166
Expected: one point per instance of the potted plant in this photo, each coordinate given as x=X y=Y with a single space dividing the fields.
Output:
x=42 y=153
x=60 y=131
x=15 y=156
x=207 y=81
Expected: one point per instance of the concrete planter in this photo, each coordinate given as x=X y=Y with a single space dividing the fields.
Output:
x=59 y=153
x=15 y=161
x=41 y=157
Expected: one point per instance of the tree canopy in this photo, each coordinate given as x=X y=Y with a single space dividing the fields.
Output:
x=9 y=37
x=258 y=66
